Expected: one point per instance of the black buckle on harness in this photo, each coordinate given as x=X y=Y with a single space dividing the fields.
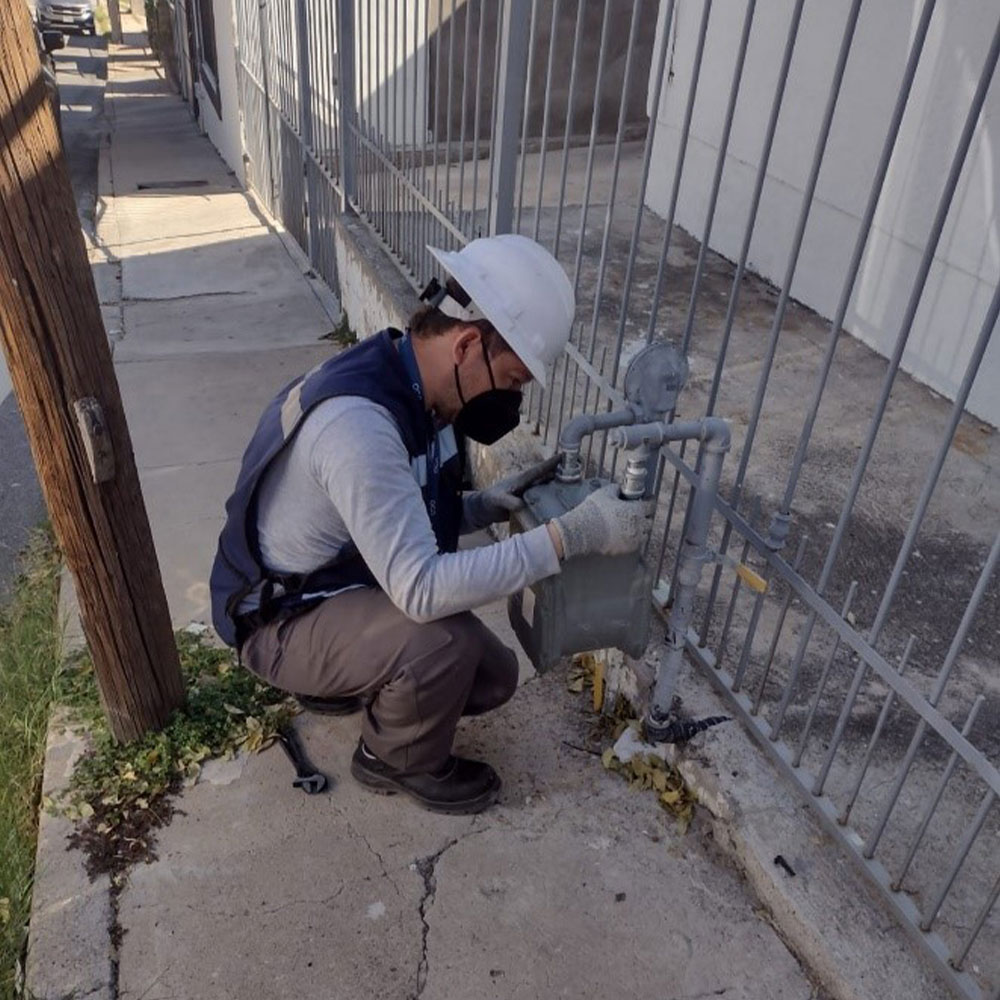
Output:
x=434 y=293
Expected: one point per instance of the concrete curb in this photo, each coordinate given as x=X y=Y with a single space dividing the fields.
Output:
x=827 y=914
x=69 y=946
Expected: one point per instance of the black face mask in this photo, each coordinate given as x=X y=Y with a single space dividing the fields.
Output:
x=487 y=417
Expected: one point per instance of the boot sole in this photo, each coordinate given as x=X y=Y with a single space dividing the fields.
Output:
x=384 y=785
x=332 y=709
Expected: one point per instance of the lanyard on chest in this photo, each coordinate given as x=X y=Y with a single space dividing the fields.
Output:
x=409 y=360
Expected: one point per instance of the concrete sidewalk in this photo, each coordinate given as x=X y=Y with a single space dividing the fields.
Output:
x=572 y=886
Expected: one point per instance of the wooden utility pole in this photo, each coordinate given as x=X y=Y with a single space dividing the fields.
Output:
x=61 y=370
x=115 y=17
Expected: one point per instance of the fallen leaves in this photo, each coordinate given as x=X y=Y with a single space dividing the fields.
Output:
x=643 y=772
x=651 y=773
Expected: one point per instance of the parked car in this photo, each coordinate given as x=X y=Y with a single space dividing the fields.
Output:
x=67 y=15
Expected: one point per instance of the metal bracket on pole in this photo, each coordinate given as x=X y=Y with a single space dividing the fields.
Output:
x=515 y=29
x=348 y=102
x=96 y=439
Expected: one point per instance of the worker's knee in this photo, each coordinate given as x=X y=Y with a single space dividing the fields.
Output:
x=505 y=675
x=448 y=648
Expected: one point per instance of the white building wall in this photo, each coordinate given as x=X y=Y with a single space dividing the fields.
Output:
x=966 y=267
x=391 y=66
x=224 y=130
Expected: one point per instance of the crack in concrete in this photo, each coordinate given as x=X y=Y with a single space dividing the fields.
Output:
x=364 y=840
x=325 y=901
x=115 y=933
x=702 y=996
x=426 y=867
x=133 y=299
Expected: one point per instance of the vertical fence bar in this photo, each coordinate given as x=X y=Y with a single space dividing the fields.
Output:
x=647 y=155
x=437 y=97
x=425 y=134
x=737 y=587
x=609 y=211
x=883 y=717
x=824 y=675
x=737 y=283
x=523 y=162
x=546 y=107
x=970 y=938
x=776 y=636
x=306 y=128
x=594 y=123
x=465 y=105
x=476 y=121
x=909 y=540
x=265 y=76
x=916 y=519
x=447 y=124
x=956 y=647
x=494 y=119
x=720 y=162
x=348 y=101
x=675 y=188
x=800 y=229
x=577 y=34
x=513 y=71
x=935 y=799
x=874 y=195
x=916 y=294
x=959 y=859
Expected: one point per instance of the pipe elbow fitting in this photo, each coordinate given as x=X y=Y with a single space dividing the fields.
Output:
x=571 y=439
x=716 y=434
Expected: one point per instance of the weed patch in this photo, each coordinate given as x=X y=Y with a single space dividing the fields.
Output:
x=120 y=795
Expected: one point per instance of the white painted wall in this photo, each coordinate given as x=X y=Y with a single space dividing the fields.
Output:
x=966 y=268
x=391 y=66
x=225 y=131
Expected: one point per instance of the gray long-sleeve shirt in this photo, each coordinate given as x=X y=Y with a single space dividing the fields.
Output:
x=346 y=477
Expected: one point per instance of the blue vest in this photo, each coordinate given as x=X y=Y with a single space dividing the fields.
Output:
x=387 y=375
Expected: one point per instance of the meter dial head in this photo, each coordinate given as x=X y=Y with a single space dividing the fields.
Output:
x=654 y=378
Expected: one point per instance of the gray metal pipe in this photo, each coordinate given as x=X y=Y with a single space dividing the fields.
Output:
x=713 y=432
x=693 y=557
x=572 y=435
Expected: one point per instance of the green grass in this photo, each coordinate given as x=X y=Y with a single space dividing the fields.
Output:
x=29 y=662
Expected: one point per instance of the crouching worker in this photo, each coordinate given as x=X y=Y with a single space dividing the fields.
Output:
x=337 y=575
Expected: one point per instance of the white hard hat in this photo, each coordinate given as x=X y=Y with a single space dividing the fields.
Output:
x=521 y=289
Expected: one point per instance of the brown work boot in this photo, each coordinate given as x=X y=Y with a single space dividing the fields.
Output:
x=462 y=786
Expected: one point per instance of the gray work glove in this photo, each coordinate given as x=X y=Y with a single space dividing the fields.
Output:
x=604 y=524
x=497 y=502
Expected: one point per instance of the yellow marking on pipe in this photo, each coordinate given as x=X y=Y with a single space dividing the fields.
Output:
x=751 y=578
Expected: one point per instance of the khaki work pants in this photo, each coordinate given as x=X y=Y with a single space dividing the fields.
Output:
x=415 y=680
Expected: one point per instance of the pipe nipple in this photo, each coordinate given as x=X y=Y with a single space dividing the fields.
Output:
x=634 y=482
x=570 y=469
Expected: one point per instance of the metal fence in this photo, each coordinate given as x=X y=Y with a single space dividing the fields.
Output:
x=869 y=670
